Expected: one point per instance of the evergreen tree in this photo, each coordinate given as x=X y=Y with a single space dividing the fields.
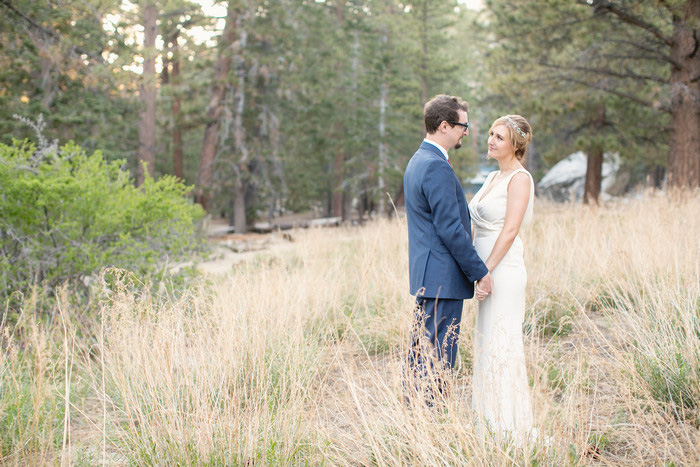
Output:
x=600 y=77
x=182 y=96
x=147 y=94
x=57 y=60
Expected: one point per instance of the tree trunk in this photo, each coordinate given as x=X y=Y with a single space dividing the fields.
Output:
x=170 y=77
x=217 y=92
x=177 y=132
x=383 y=99
x=44 y=43
x=147 y=95
x=239 y=216
x=279 y=193
x=338 y=189
x=532 y=160
x=384 y=90
x=594 y=168
x=47 y=85
x=329 y=196
x=655 y=177
x=684 y=143
x=591 y=192
x=239 y=137
x=398 y=198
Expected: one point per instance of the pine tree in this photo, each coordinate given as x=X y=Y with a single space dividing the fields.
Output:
x=546 y=60
x=625 y=56
x=58 y=60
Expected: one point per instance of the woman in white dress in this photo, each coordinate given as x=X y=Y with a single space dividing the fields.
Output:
x=500 y=391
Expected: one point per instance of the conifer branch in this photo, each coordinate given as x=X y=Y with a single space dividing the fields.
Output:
x=654 y=52
x=607 y=6
x=607 y=72
x=607 y=89
x=48 y=32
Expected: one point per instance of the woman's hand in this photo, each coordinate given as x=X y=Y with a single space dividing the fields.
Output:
x=480 y=292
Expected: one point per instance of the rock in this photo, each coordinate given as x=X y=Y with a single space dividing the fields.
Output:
x=326 y=222
x=248 y=242
x=565 y=180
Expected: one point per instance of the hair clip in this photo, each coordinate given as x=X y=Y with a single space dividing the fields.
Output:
x=516 y=127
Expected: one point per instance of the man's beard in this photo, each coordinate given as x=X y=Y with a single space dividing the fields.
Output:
x=458 y=145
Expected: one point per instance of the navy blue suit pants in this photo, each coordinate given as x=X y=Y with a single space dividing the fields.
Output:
x=434 y=340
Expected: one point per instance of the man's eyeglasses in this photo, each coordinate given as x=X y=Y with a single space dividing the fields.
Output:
x=465 y=125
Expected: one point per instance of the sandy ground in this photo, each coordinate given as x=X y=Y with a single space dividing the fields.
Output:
x=229 y=249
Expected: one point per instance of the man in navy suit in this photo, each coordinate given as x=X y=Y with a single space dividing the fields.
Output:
x=443 y=264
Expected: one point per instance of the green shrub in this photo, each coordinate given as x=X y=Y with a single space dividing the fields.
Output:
x=65 y=215
x=672 y=380
x=551 y=314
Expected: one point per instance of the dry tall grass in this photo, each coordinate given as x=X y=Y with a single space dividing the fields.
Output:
x=296 y=357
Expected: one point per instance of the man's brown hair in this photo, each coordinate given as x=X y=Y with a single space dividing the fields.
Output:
x=442 y=108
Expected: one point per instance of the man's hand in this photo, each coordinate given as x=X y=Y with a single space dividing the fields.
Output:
x=484 y=286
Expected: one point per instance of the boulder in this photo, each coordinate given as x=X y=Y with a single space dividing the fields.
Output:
x=565 y=180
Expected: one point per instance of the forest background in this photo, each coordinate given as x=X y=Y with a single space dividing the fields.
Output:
x=266 y=107
x=124 y=123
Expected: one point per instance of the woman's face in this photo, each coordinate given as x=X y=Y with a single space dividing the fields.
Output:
x=499 y=143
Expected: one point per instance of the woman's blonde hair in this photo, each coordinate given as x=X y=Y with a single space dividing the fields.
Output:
x=519 y=130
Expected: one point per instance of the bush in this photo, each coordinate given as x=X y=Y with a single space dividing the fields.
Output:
x=673 y=380
x=65 y=215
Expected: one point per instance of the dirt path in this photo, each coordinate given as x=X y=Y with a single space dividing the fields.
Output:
x=228 y=249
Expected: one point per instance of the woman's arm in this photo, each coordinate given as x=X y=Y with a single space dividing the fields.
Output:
x=518 y=198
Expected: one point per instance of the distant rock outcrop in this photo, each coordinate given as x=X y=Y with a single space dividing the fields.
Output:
x=565 y=180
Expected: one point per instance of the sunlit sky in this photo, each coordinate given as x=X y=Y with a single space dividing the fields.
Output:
x=211 y=8
x=220 y=9
x=473 y=4
x=200 y=34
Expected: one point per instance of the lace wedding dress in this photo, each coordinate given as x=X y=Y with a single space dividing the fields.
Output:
x=500 y=391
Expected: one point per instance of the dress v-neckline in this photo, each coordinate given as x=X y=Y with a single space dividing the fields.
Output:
x=491 y=185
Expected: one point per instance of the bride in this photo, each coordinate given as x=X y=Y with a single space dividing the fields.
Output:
x=500 y=391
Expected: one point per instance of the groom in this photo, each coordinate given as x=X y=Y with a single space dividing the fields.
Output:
x=443 y=264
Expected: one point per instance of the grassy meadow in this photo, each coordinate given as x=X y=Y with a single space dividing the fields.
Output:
x=295 y=357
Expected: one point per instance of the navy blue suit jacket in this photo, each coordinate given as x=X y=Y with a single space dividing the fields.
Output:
x=442 y=259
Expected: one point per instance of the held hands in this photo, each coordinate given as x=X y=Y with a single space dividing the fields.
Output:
x=484 y=286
